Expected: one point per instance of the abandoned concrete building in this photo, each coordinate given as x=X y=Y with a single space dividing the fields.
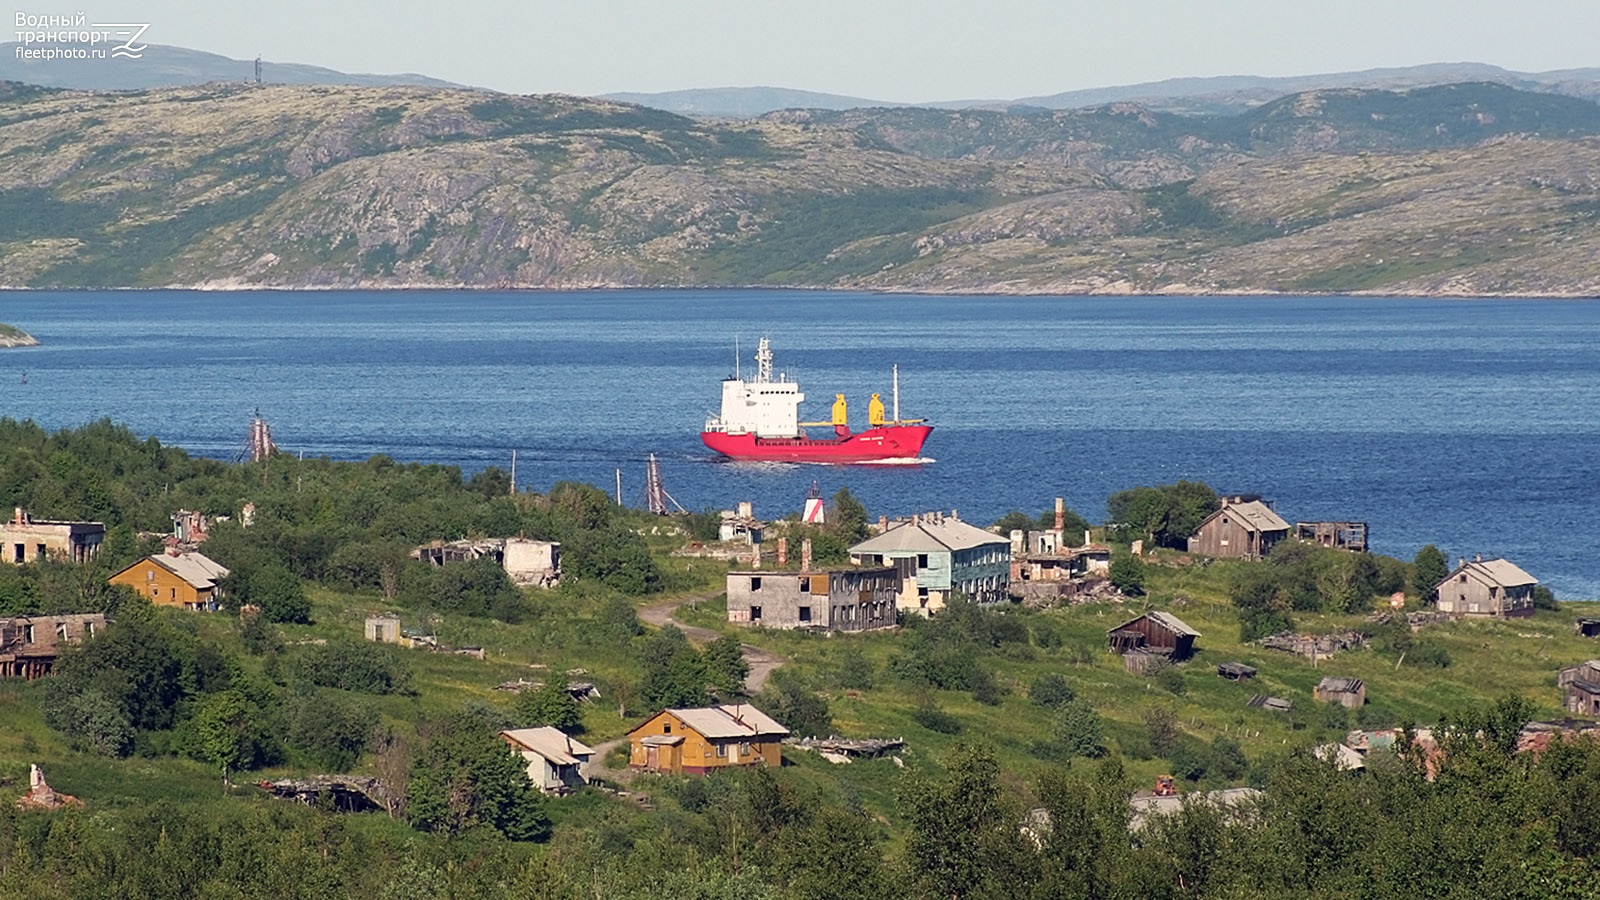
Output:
x=834 y=598
x=24 y=539
x=526 y=562
x=1486 y=587
x=937 y=556
x=382 y=629
x=29 y=645
x=741 y=524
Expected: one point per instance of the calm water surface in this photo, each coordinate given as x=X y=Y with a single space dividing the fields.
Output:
x=1470 y=424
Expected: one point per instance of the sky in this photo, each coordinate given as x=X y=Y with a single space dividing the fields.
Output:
x=893 y=50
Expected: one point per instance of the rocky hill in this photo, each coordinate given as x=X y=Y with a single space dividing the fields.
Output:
x=12 y=336
x=1468 y=189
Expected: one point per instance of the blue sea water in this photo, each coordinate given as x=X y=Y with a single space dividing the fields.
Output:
x=1470 y=424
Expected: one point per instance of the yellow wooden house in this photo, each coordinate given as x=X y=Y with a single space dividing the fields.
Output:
x=697 y=741
x=188 y=580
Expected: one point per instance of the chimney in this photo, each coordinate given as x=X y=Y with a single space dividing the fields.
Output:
x=1086 y=537
x=173 y=550
x=1061 y=514
x=1477 y=557
x=746 y=509
x=1461 y=561
x=955 y=515
x=805 y=555
x=19 y=518
x=783 y=552
x=755 y=556
x=883 y=523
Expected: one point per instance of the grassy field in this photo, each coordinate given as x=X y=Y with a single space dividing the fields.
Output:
x=1488 y=659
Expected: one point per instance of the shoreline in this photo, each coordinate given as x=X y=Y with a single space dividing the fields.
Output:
x=1175 y=291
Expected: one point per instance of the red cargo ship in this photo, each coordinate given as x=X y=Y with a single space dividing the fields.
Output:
x=760 y=420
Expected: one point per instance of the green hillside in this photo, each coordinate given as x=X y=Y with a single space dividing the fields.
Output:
x=1002 y=712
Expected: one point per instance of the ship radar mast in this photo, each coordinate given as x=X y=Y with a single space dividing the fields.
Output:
x=764 y=361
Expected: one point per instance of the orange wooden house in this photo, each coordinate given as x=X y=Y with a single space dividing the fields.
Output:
x=188 y=580
x=697 y=741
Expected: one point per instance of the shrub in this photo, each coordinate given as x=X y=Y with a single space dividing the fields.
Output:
x=1079 y=731
x=363 y=667
x=933 y=718
x=1170 y=679
x=986 y=689
x=1051 y=691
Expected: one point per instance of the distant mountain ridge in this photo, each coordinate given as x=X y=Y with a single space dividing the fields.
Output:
x=163 y=66
x=1462 y=189
x=1224 y=94
x=741 y=102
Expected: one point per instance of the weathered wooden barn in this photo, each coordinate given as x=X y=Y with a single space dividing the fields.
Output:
x=1154 y=632
x=1486 y=587
x=1239 y=530
x=1580 y=688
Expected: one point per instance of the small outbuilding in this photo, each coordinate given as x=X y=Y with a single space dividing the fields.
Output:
x=1586 y=627
x=1350 y=693
x=555 y=761
x=1154 y=632
x=1236 y=671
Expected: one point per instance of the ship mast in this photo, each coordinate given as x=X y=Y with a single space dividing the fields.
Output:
x=764 y=361
x=897 y=393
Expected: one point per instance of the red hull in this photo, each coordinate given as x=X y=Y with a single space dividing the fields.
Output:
x=872 y=445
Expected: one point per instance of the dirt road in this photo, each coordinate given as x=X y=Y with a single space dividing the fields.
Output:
x=761 y=662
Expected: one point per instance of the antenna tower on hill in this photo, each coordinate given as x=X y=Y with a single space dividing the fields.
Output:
x=655 y=493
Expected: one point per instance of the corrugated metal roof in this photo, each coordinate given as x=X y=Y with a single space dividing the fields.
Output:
x=195 y=568
x=1257 y=515
x=925 y=536
x=729 y=721
x=551 y=744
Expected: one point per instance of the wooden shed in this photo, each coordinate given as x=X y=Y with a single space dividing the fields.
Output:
x=1236 y=671
x=1350 y=693
x=1154 y=632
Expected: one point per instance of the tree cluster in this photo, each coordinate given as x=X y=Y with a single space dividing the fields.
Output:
x=1167 y=514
